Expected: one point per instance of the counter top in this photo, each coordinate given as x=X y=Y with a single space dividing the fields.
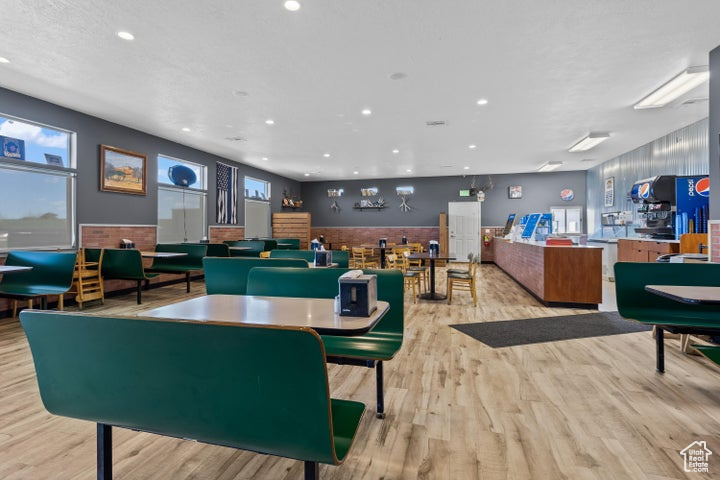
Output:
x=645 y=239
x=542 y=244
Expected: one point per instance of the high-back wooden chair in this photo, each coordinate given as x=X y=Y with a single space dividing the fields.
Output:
x=87 y=278
x=464 y=281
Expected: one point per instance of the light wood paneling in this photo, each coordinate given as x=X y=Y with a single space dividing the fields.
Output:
x=590 y=408
x=292 y=225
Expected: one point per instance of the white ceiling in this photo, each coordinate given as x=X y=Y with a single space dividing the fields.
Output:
x=552 y=70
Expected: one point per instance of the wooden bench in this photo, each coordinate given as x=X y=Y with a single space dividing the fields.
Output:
x=257 y=388
x=369 y=350
x=51 y=274
x=186 y=264
x=635 y=303
x=229 y=275
x=126 y=264
x=342 y=258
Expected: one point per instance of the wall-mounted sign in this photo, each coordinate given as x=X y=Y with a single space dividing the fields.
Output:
x=567 y=194
x=609 y=191
x=12 y=148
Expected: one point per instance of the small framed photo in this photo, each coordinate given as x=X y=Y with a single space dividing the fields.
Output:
x=515 y=191
x=122 y=171
x=609 y=192
x=51 y=159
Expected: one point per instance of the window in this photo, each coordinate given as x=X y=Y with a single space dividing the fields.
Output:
x=567 y=219
x=37 y=186
x=257 y=189
x=181 y=210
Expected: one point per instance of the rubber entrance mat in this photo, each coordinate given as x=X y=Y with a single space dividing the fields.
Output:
x=549 y=329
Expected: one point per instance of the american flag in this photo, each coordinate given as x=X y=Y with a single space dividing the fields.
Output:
x=227 y=194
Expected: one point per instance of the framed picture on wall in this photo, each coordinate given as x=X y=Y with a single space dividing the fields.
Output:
x=122 y=171
x=515 y=191
x=609 y=191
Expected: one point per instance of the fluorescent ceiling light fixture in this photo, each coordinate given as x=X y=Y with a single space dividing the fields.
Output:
x=366 y=112
x=4 y=60
x=292 y=5
x=126 y=35
x=482 y=101
x=550 y=166
x=589 y=141
x=680 y=85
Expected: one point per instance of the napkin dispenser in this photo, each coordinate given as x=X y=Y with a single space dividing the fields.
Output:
x=358 y=294
x=323 y=258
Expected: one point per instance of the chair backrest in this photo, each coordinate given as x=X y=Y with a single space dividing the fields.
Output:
x=323 y=283
x=267 y=390
x=193 y=259
x=270 y=244
x=122 y=263
x=229 y=275
x=93 y=255
x=631 y=278
x=53 y=270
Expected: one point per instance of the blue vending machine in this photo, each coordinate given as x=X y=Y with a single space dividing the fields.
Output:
x=692 y=196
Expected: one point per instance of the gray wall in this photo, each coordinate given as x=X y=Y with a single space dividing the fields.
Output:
x=682 y=152
x=432 y=194
x=714 y=131
x=95 y=206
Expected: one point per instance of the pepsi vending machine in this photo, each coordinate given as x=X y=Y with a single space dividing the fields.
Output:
x=692 y=197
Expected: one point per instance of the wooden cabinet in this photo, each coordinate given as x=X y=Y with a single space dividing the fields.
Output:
x=644 y=250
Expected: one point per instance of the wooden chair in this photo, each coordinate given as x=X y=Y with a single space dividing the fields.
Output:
x=415 y=265
x=464 y=281
x=87 y=278
x=363 y=258
x=411 y=278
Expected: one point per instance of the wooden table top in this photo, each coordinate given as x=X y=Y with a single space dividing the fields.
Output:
x=433 y=256
x=163 y=254
x=687 y=294
x=13 y=269
x=316 y=313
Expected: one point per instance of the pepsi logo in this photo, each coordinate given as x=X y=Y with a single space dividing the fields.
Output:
x=567 y=194
x=702 y=187
x=644 y=190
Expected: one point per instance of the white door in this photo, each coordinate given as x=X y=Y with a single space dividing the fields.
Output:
x=464 y=229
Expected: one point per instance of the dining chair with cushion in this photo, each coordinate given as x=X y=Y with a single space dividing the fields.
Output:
x=464 y=281
x=411 y=278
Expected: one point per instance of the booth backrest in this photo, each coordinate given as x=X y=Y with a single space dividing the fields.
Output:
x=125 y=263
x=342 y=258
x=254 y=248
x=229 y=275
x=323 y=283
x=191 y=261
x=257 y=388
x=288 y=243
x=51 y=272
x=214 y=249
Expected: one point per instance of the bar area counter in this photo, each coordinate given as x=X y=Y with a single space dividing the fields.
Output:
x=555 y=274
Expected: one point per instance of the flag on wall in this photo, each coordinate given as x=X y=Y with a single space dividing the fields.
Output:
x=227 y=194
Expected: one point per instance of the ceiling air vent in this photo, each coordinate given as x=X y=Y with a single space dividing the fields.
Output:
x=691 y=101
x=436 y=123
x=236 y=139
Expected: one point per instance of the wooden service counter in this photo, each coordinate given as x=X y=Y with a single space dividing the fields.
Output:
x=645 y=249
x=556 y=275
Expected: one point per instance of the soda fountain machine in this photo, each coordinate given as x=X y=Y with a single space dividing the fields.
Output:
x=656 y=196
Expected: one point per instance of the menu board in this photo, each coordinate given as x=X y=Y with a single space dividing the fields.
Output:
x=530 y=226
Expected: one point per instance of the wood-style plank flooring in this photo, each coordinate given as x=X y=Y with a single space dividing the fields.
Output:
x=591 y=408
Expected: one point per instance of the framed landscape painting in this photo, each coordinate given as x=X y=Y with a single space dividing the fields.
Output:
x=122 y=171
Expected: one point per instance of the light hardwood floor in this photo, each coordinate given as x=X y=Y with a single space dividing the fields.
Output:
x=456 y=409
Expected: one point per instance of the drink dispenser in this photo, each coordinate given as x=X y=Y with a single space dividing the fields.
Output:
x=656 y=199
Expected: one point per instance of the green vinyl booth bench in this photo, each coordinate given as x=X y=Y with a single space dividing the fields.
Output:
x=229 y=275
x=126 y=264
x=635 y=303
x=51 y=274
x=181 y=265
x=369 y=350
x=152 y=376
x=253 y=248
x=342 y=258
x=213 y=249
x=288 y=243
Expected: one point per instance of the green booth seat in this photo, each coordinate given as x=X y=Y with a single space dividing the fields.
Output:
x=370 y=350
x=251 y=248
x=342 y=258
x=710 y=351
x=229 y=275
x=635 y=303
x=184 y=265
x=288 y=243
x=213 y=249
x=126 y=264
x=51 y=274
x=268 y=391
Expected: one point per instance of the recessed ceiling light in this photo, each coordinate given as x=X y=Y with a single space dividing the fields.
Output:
x=482 y=101
x=355 y=172
x=472 y=146
x=126 y=35
x=240 y=93
x=396 y=151
x=398 y=76
x=292 y=5
x=4 y=60
x=326 y=155
x=409 y=170
x=185 y=129
x=264 y=159
x=270 y=121
x=366 y=112
x=466 y=168
x=307 y=174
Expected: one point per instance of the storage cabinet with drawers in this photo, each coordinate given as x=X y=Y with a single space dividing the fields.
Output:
x=645 y=250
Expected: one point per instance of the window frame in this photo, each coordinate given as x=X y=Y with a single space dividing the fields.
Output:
x=268 y=189
x=170 y=187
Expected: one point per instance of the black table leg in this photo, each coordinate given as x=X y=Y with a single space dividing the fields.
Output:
x=432 y=295
x=382 y=257
x=659 y=350
x=104 y=452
